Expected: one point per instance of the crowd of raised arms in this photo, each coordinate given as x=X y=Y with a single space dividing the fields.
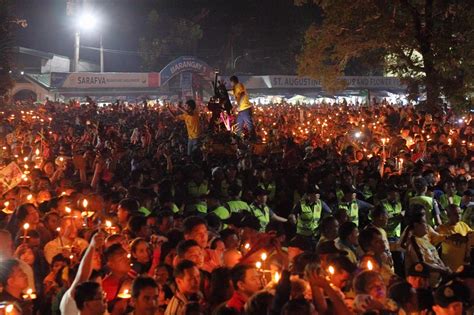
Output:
x=319 y=209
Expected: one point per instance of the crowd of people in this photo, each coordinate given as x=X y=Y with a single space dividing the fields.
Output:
x=132 y=209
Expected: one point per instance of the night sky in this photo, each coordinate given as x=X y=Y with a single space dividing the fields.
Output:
x=269 y=27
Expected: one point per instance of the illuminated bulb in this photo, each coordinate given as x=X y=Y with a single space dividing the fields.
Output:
x=258 y=264
x=370 y=266
x=264 y=256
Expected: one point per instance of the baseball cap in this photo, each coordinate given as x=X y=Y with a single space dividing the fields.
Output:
x=452 y=291
x=419 y=269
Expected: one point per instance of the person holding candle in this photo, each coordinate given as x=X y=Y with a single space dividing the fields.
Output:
x=14 y=281
x=67 y=242
x=246 y=281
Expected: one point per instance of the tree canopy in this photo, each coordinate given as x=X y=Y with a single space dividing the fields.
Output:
x=429 y=44
x=5 y=47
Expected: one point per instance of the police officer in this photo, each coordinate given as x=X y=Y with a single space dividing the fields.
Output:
x=235 y=204
x=357 y=210
x=393 y=207
x=428 y=203
x=261 y=211
x=308 y=212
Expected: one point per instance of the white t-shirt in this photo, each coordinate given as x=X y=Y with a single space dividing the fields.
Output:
x=68 y=304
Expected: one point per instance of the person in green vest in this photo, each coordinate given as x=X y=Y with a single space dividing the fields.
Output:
x=393 y=207
x=267 y=182
x=261 y=211
x=308 y=213
x=468 y=208
x=357 y=210
x=197 y=186
x=235 y=204
x=450 y=197
x=214 y=206
x=429 y=204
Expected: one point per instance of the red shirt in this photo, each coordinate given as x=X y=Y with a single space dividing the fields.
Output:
x=237 y=301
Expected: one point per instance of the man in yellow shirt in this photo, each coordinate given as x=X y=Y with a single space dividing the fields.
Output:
x=455 y=248
x=190 y=116
x=244 y=107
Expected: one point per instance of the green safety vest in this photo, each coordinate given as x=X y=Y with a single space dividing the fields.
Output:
x=263 y=215
x=468 y=216
x=201 y=207
x=222 y=212
x=339 y=195
x=444 y=201
x=197 y=190
x=236 y=206
x=393 y=227
x=175 y=208
x=352 y=209
x=271 y=188
x=309 y=218
x=427 y=203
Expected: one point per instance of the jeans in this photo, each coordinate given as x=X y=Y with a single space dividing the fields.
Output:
x=244 y=118
x=192 y=145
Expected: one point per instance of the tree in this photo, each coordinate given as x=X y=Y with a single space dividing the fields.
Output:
x=168 y=39
x=5 y=47
x=429 y=44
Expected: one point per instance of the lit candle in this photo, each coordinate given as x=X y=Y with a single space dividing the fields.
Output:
x=26 y=226
x=247 y=246
x=37 y=152
x=370 y=266
x=276 y=277
x=331 y=270
x=264 y=256
x=108 y=226
x=125 y=294
x=258 y=264
x=9 y=308
x=29 y=197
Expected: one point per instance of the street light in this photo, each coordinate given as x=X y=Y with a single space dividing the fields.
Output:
x=237 y=58
x=86 y=22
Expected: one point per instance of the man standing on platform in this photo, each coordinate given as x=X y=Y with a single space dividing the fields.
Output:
x=244 y=107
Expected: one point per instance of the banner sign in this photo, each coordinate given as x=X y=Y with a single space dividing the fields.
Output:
x=291 y=81
x=185 y=64
x=92 y=80
x=10 y=177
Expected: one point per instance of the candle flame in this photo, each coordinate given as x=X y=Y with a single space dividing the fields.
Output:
x=264 y=256
x=331 y=270
x=37 y=152
x=68 y=210
x=108 y=224
x=370 y=266
x=247 y=246
x=258 y=264
x=29 y=291
x=26 y=226
x=29 y=197
x=85 y=203
x=276 y=277
x=9 y=308
x=7 y=203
